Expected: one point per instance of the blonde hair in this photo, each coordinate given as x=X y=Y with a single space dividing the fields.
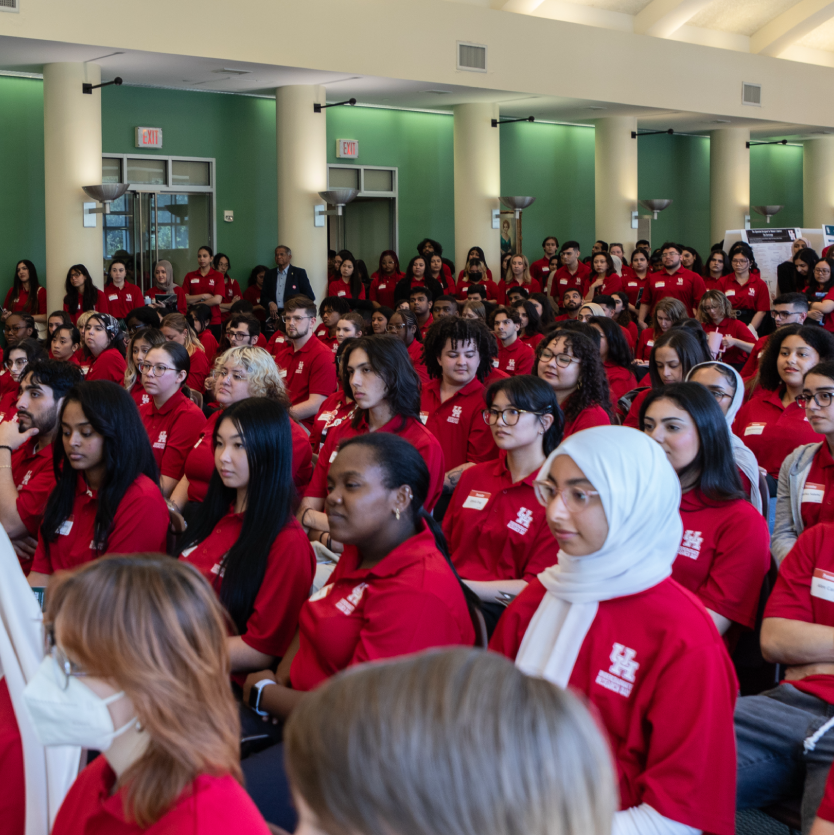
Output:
x=674 y=310
x=476 y=307
x=457 y=741
x=82 y=320
x=264 y=379
x=721 y=300
x=154 y=338
x=154 y=626
x=178 y=322
x=526 y=278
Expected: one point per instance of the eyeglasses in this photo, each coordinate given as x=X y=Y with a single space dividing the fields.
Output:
x=510 y=416
x=156 y=370
x=67 y=669
x=740 y=261
x=718 y=394
x=711 y=308
x=295 y=320
x=562 y=360
x=821 y=398
x=395 y=328
x=238 y=334
x=14 y=328
x=782 y=314
x=575 y=499
x=235 y=375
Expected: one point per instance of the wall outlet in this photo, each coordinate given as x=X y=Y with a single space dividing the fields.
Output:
x=228 y=215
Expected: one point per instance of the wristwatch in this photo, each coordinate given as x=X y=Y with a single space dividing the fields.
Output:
x=255 y=695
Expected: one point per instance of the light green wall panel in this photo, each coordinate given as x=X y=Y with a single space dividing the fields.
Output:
x=776 y=179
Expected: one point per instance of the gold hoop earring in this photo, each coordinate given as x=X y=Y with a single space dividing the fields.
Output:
x=397 y=513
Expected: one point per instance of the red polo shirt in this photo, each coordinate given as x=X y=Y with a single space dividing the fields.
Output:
x=172 y=429
x=332 y=413
x=409 y=429
x=182 y=305
x=253 y=294
x=563 y=281
x=752 y=364
x=323 y=334
x=753 y=295
x=383 y=286
x=408 y=602
x=515 y=359
x=18 y=305
x=415 y=354
x=531 y=341
x=817 y=499
x=196 y=284
x=590 y=416
x=108 y=365
x=341 y=288
x=540 y=270
x=465 y=284
x=308 y=370
x=497 y=530
x=734 y=328
x=425 y=328
x=664 y=689
x=611 y=284
x=8 y=404
x=230 y=289
x=505 y=286
x=200 y=368
x=209 y=805
x=35 y=480
x=771 y=431
x=804 y=591
x=209 y=343
x=199 y=463
x=290 y=568
x=724 y=555
x=645 y=344
x=121 y=302
x=140 y=524
x=620 y=381
x=683 y=285
x=100 y=306
x=635 y=288
x=458 y=424
x=633 y=417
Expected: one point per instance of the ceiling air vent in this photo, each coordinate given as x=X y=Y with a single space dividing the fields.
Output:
x=751 y=94
x=9 y=5
x=472 y=57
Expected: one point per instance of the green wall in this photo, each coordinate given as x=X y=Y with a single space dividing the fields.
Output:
x=420 y=146
x=554 y=164
x=776 y=179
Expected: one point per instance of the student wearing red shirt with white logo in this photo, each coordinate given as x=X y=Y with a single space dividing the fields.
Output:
x=338 y=408
x=475 y=252
x=612 y=504
x=18 y=358
x=26 y=294
x=789 y=309
x=231 y=289
x=177 y=328
x=244 y=538
x=146 y=633
x=514 y=356
x=665 y=314
x=784 y=739
x=122 y=296
x=420 y=303
x=748 y=294
x=104 y=452
x=27 y=446
x=820 y=294
x=347 y=284
x=572 y=274
x=331 y=309
x=805 y=492
x=384 y=281
x=458 y=359
x=531 y=331
x=615 y=354
x=417 y=275
x=437 y=271
x=403 y=325
x=604 y=280
x=540 y=270
x=724 y=555
x=716 y=315
x=569 y=362
x=240 y=373
x=495 y=527
x=81 y=294
x=771 y=423
x=673 y=281
x=718 y=266
x=137 y=349
x=384 y=387
x=103 y=339
x=173 y=422
x=163 y=285
x=205 y=286
x=199 y=318
x=517 y=275
x=476 y=275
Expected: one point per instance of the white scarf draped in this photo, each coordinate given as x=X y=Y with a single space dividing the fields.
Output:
x=640 y=494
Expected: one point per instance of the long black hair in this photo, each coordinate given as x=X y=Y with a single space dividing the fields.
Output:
x=403 y=288
x=31 y=305
x=355 y=281
x=109 y=279
x=89 y=297
x=389 y=358
x=458 y=330
x=813 y=287
x=253 y=276
x=264 y=427
x=534 y=323
x=593 y=381
x=715 y=464
x=686 y=345
x=402 y=464
x=127 y=455
x=618 y=351
x=815 y=336
x=548 y=318
x=532 y=395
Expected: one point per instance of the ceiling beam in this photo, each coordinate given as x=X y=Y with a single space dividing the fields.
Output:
x=519 y=6
x=662 y=18
x=790 y=26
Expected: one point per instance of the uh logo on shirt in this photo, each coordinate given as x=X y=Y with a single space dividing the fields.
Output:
x=457 y=411
x=161 y=441
x=621 y=674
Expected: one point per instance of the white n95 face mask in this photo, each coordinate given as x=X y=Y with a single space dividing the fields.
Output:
x=69 y=716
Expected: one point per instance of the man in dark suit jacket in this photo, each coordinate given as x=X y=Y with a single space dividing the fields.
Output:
x=294 y=280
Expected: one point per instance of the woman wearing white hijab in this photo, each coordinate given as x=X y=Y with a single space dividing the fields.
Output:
x=609 y=622
x=727 y=387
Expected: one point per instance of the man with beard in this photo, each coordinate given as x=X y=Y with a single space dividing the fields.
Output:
x=571 y=303
x=26 y=474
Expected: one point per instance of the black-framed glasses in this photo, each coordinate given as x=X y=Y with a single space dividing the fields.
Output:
x=15 y=328
x=781 y=314
x=562 y=360
x=718 y=394
x=510 y=416
x=821 y=398
x=154 y=369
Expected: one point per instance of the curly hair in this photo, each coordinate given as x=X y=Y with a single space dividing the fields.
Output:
x=264 y=380
x=813 y=335
x=721 y=300
x=457 y=330
x=592 y=388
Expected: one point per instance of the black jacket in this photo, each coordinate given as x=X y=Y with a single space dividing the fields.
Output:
x=297 y=285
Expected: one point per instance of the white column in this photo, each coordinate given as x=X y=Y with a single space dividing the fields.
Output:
x=818 y=182
x=302 y=174
x=615 y=179
x=72 y=159
x=477 y=182
x=729 y=180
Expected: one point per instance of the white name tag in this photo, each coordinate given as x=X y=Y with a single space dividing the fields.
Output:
x=730 y=293
x=113 y=298
x=563 y=281
x=341 y=293
x=545 y=269
x=424 y=416
x=754 y=428
x=633 y=284
x=282 y=372
x=65 y=528
x=195 y=280
x=813 y=493
x=382 y=286
x=495 y=363
x=187 y=552
x=477 y=500
x=660 y=284
x=822 y=585
x=649 y=343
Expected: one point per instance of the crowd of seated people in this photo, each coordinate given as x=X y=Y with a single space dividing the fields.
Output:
x=615 y=471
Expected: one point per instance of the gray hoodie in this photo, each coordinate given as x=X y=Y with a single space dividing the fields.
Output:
x=792 y=477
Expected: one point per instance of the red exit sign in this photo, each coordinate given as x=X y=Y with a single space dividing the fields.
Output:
x=347 y=148
x=148 y=137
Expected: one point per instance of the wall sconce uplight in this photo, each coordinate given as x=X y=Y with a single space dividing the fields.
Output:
x=655 y=206
x=767 y=211
x=338 y=197
x=104 y=195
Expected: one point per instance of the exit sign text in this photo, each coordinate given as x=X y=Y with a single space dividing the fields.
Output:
x=148 y=137
x=347 y=148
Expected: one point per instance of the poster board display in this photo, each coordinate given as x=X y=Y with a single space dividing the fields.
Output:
x=770 y=248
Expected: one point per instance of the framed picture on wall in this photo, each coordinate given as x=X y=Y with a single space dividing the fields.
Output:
x=508 y=242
